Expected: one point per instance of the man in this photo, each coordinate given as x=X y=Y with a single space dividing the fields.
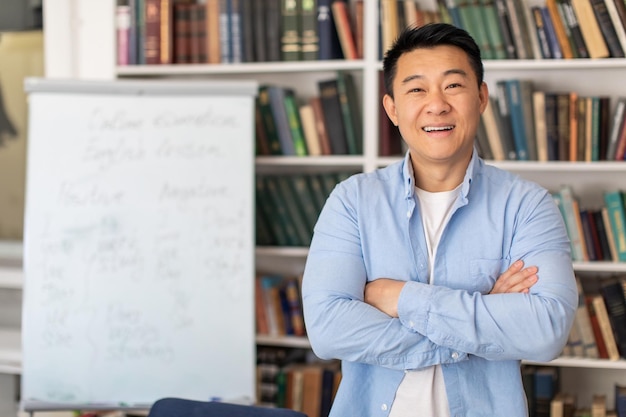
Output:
x=415 y=276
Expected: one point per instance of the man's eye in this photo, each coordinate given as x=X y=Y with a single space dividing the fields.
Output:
x=454 y=85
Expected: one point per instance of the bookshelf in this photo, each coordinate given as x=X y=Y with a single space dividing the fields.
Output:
x=83 y=42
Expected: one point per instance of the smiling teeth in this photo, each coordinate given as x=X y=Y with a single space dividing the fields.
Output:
x=433 y=129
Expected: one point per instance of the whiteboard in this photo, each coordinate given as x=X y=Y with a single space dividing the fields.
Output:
x=138 y=243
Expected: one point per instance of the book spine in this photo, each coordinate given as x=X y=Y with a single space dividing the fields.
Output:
x=572 y=23
x=290 y=31
x=551 y=34
x=505 y=29
x=295 y=124
x=213 y=31
x=514 y=100
x=341 y=16
x=607 y=29
x=122 y=32
x=152 y=37
x=617 y=215
x=308 y=27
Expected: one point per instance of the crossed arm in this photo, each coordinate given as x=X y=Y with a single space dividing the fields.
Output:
x=383 y=293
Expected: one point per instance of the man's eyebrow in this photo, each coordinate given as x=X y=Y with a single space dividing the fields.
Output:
x=446 y=73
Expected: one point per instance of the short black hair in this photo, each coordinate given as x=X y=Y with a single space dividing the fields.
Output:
x=430 y=36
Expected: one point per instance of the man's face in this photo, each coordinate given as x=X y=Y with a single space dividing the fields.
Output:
x=437 y=104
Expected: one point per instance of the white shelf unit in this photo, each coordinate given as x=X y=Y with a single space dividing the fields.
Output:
x=81 y=35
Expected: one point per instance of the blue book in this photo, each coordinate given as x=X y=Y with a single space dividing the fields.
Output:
x=329 y=46
x=516 y=108
x=553 y=42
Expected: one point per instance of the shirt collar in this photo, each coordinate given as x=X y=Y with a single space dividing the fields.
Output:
x=409 y=181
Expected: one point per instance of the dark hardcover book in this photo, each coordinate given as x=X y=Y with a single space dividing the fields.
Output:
x=552 y=126
x=551 y=35
x=264 y=236
x=613 y=295
x=482 y=142
x=272 y=29
x=505 y=29
x=277 y=103
x=546 y=386
x=390 y=140
x=605 y=117
x=563 y=119
x=269 y=124
x=288 y=328
x=620 y=400
x=617 y=120
x=158 y=21
x=265 y=205
x=603 y=237
x=247 y=30
x=316 y=189
x=542 y=36
x=328 y=380
x=294 y=301
x=309 y=39
x=331 y=105
x=607 y=28
x=590 y=239
x=133 y=33
x=519 y=29
x=295 y=214
x=182 y=34
x=198 y=33
x=503 y=116
x=520 y=134
x=351 y=111
x=262 y=145
x=305 y=201
x=329 y=45
x=281 y=212
x=259 y=20
x=290 y=31
x=472 y=22
x=140 y=20
x=572 y=23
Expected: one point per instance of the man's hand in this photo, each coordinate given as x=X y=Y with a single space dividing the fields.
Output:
x=515 y=279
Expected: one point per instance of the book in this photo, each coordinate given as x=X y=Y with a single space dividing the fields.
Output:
x=277 y=96
x=345 y=32
x=552 y=126
x=158 y=35
x=505 y=29
x=290 y=31
x=493 y=131
x=122 y=33
x=542 y=35
x=258 y=24
x=273 y=30
x=333 y=116
x=320 y=125
x=311 y=136
x=620 y=400
x=571 y=217
x=571 y=22
x=329 y=46
x=551 y=35
x=605 y=326
x=541 y=129
x=595 y=327
x=295 y=124
x=607 y=28
x=614 y=201
x=248 y=19
x=489 y=18
x=616 y=126
x=560 y=29
x=503 y=117
x=519 y=128
x=389 y=23
x=563 y=125
x=268 y=121
x=596 y=45
x=309 y=39
x=351 y=111
x=613 y=294
x=590 y=349
x=213 y=44
x=235 y=25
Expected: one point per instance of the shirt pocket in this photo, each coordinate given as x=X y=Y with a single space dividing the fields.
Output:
x=484 y=273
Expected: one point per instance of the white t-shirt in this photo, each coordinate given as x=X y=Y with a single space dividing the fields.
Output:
x=423 y=392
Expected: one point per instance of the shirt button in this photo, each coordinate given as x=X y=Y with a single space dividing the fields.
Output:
x=408 y=214
x=411 y=324
x=455 y=355
x=383 y=407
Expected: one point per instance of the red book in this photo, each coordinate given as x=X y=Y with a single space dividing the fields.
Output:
x=341 y=15
x=595 y=326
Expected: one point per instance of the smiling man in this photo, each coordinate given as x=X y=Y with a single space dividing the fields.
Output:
x=432 y=278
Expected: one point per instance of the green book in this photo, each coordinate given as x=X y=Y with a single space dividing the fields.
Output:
x=616 y=205
x=351 y=112
x=265 y=206
x=309 y=38
x=295 y=124
x=280 y=212
x=304 y=199
x=295 y=214
x=489 y=18
x=267 y=120
x=290 y=31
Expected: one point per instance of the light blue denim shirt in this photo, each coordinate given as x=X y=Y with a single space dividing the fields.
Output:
x=371 y=227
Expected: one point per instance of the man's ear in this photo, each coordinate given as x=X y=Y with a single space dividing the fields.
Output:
x=390 y=109
x=483 y=96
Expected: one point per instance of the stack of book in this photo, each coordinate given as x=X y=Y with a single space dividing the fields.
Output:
x=328 y=123
x=519 y=29
x=153 y=32
x=524 y=123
